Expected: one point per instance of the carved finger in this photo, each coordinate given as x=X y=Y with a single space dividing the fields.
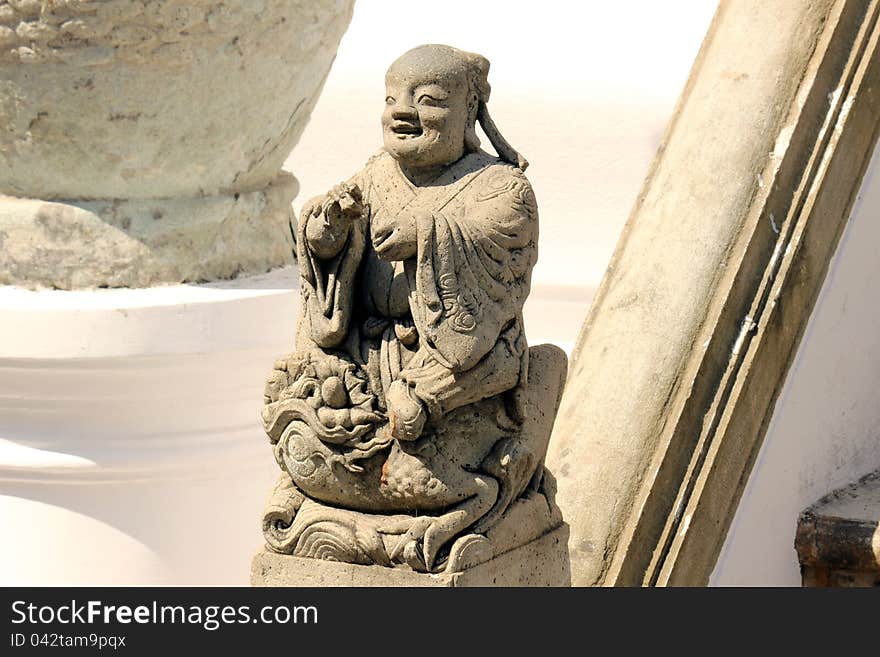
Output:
x=413 y=558
x=415 y=532
x=433 y=541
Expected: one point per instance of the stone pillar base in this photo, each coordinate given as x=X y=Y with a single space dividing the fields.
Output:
x=140 y=243
x=542 y=562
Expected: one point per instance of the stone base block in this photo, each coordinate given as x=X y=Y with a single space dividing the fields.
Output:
x=542 y=562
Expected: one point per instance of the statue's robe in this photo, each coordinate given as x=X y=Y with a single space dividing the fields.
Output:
x=448 y=321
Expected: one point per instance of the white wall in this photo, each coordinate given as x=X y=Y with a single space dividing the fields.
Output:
x=583 y=89
x=825 y=430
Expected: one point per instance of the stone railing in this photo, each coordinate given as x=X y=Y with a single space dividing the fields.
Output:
x=681 y=358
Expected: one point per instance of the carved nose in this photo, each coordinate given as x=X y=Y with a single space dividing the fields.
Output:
x=403 y=112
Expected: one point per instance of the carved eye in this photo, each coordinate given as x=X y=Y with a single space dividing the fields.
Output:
x=426 y=99
x=389 y=100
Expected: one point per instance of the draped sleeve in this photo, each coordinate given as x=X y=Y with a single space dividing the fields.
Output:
x=472 y=271
x=328 y=285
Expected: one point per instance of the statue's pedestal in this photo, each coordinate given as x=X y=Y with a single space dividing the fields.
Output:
x=542 y=562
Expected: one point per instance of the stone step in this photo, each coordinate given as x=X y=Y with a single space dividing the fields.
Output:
x=838 y=537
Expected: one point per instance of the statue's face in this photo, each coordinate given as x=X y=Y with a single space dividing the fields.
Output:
x=426 y=111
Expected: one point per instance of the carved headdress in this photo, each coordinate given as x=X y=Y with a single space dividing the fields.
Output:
x=478 y=83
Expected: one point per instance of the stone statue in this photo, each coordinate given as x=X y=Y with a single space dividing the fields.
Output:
x=412 y=421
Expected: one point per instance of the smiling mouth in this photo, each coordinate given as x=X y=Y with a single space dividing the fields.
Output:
x=406 y=130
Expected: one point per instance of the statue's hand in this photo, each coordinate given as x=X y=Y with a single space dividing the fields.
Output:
x=395 y=238
x=343 y=202
x=327 y=218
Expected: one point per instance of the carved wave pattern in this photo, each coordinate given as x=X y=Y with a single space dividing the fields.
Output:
x=331 y=542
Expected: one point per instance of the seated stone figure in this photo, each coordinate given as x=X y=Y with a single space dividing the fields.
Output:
x=412 y=421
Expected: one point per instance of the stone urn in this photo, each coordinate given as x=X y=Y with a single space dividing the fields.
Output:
x=141 y=143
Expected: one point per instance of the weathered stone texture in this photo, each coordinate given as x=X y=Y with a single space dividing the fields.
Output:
x=120 y=100
x=542 y=562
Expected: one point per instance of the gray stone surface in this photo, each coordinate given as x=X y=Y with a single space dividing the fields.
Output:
x=412 y=421
x=542 y=562
x=144 y=242
x=126 y=100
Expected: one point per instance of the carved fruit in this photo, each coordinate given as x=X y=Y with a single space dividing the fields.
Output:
x=333 y=392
